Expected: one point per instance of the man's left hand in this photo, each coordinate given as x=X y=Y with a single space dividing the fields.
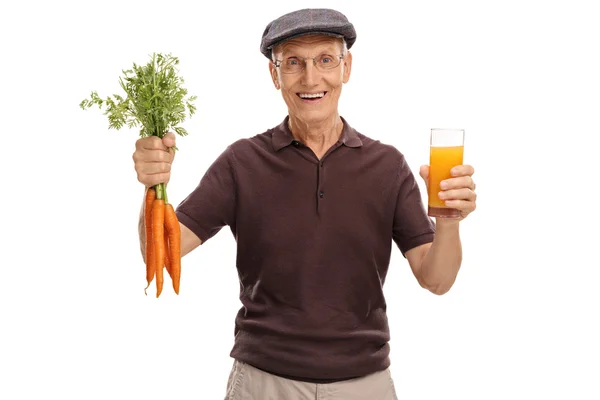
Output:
x=457 y=192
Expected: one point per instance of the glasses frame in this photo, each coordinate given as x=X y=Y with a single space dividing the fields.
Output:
x=305 y=59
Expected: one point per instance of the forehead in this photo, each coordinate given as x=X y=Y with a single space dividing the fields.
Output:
x=309 y=45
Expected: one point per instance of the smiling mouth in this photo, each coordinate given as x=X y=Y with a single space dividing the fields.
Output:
x=311 y=96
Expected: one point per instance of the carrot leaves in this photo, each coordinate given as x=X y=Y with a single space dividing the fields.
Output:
x=155 y=100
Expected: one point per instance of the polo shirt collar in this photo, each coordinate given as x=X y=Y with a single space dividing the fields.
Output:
x=282 y=136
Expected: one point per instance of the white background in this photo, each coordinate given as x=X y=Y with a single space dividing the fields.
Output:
x=521 y=77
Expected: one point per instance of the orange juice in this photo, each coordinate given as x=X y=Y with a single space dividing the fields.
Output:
x=441 y=161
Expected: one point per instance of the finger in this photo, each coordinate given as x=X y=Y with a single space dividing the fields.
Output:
x=155 y=179
x=462 y=170
x=462 y=205
x=151 y=143
x=457 y=183
x=151 y=168
x=145 y=155
x=458 y=194
x=169 y=139
x=424 y=172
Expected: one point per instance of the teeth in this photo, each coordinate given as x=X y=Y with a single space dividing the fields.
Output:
x=311 y=96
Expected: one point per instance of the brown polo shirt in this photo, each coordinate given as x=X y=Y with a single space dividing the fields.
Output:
x=314 y=239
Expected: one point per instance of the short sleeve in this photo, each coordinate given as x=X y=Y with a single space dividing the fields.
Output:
x=211 y=205
x=412 y=225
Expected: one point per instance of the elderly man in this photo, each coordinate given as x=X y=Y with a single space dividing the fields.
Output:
x=314 y=207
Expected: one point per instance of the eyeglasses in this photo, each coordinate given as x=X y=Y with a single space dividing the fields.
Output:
x=294 y=65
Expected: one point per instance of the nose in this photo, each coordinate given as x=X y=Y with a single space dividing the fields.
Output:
x=310 y=74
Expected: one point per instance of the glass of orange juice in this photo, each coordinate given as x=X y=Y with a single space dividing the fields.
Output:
x=446 y=152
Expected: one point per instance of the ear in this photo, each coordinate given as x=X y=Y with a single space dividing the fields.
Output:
x=347 y=67
x=274 y=75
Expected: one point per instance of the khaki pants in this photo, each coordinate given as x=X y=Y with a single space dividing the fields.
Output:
x=249 y=383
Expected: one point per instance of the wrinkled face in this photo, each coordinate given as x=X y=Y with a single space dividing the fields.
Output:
x=311 y=95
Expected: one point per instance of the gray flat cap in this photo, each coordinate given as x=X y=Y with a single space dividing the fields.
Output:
x=307 y=22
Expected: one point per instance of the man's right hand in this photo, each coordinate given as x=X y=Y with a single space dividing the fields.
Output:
x=153 y=158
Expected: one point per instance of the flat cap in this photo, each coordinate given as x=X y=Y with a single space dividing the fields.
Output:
x=309 y=21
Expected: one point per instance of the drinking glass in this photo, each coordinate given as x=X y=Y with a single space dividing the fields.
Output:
x=445 y=152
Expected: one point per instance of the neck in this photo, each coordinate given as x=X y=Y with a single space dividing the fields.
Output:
x=317 y=134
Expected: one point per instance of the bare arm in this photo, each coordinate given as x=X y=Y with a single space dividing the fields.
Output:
x=436 y=265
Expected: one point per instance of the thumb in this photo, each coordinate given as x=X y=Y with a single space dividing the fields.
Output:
x=169 y=139
x=424 y=172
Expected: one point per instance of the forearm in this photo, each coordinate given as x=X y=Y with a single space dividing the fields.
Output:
x=142 y=230
x=440 y=265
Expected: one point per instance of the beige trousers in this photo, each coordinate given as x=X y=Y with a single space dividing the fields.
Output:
x=249 y=383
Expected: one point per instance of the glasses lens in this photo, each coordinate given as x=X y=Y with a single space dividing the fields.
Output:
x=294 y=65
x=326 y=62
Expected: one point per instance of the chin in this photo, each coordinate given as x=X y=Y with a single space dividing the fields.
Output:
x=314 y=115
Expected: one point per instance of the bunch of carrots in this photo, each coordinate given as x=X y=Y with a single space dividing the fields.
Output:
x=163 y=240
x=156 y=102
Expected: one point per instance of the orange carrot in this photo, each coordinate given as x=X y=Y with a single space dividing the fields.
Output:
x=172 y=229
x=167 y=261
x=150 y=262
x=158 y=234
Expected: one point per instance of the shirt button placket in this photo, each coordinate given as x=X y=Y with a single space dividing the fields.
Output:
x=321 y=192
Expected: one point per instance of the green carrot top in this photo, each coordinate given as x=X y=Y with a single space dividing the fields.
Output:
x=155 y=99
